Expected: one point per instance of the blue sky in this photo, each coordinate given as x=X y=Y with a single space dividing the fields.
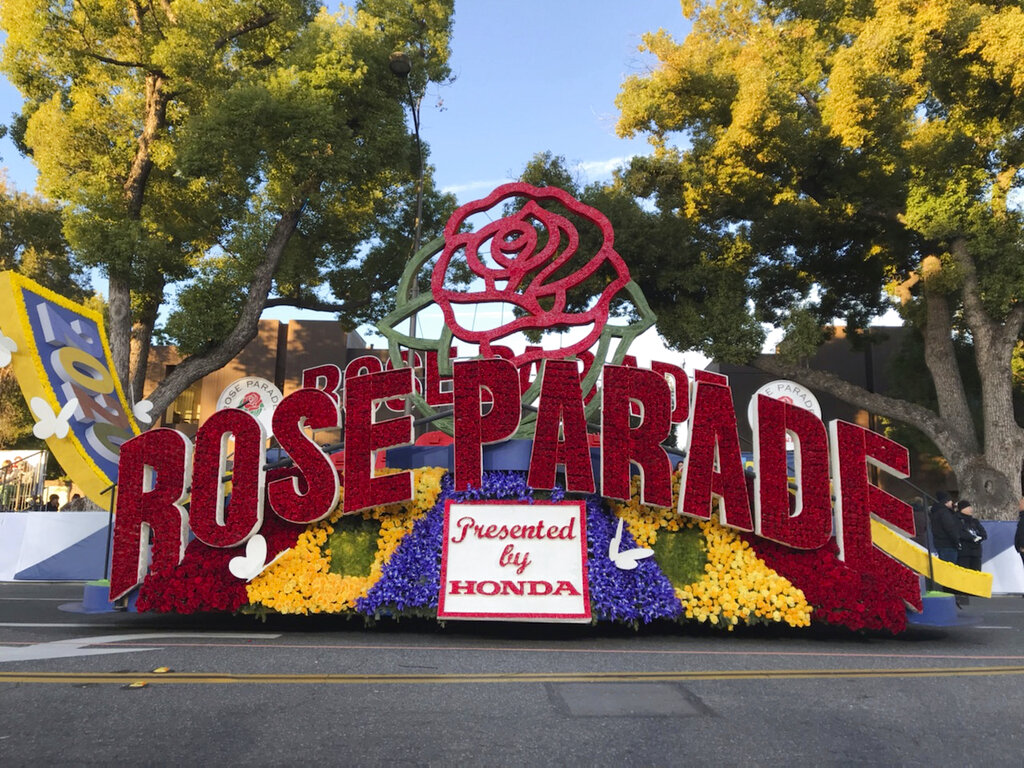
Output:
x=537 y=75
x=530 y=76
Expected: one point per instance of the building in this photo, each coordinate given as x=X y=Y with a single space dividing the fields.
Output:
x=281 y=351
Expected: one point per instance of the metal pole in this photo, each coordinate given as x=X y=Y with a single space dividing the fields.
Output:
x=110 y=527
x=401 y=65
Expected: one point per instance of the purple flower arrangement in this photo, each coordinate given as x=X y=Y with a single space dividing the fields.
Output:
x=633 y=597
x=411 y=580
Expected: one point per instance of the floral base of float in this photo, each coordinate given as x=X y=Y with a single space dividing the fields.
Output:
x=590 y=535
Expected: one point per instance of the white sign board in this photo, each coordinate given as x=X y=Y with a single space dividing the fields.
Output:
x=513 y=561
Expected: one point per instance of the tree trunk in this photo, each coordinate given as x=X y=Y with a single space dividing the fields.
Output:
x=141 y=338
x=992 y=487
x=196 y=366
x=992 y=482
x=124 y=331
x=119 y=327
x=940 y=358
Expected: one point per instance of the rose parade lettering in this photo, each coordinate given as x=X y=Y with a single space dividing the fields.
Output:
x=157 y=470
x=503 y=552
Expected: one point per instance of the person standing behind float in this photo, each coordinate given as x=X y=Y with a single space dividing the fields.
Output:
x=972 y=533
x=945 y=527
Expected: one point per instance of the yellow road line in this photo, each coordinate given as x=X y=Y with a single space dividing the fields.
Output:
x=201 y=678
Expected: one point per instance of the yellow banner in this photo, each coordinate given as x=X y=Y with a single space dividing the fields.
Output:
x=913 y=555
x=60 y=357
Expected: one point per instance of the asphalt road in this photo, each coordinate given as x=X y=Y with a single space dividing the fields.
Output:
x=82 y=689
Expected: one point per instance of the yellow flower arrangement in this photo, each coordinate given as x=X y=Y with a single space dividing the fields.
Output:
x=645 y=521
x=301 y=580
x=737 y=586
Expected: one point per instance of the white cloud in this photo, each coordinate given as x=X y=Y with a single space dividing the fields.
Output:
x=597 y=170
x=471 y=186
x=592 y=170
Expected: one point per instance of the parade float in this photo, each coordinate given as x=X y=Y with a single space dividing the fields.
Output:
x=543 y=490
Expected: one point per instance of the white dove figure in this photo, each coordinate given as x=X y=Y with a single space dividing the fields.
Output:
x=48 y=423
x=254 y=562
x=142 y=411
x=7 y=348
x=629 y=559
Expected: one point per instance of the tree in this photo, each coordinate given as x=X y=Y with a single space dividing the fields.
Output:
x=696 y=279
x=846 y=149
x=32 y=244
x=234 y=153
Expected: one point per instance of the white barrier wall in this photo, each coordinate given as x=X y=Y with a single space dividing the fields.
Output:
x=72 y=545
x=53 y=545
x=999 y=558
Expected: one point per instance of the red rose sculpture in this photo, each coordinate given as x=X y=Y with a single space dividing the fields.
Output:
x=529 y=251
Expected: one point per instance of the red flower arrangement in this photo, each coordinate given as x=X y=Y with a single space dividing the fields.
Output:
x=527 y=251
x=210 y=520
x=855 y=447
x=812 y=526
x=560 y=405
x=858 y=599
x=363 y=435
x=713 y=425
x=201 y=582
x=622 y=443
x=312 y=496
x=142 y=505
x=500 y=378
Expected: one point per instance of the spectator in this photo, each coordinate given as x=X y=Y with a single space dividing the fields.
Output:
x=6 y=485
x=53 y=503
x=972 y=533
x=945 y=527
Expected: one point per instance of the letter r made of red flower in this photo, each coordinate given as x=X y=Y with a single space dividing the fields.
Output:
x=528 y=251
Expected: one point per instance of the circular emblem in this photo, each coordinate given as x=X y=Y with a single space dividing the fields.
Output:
x=257 y=397
x=788 y=392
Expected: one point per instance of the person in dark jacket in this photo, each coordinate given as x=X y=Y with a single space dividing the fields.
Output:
x=945 y=527
x=972 y=533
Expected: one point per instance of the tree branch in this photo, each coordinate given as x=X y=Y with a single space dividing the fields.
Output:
x=172 y=17
x=940 y=357
x=1013 y=325
x=259 y=22
x=196 y=366
x=924 y=419
x=317 y=305
x=114 y=62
